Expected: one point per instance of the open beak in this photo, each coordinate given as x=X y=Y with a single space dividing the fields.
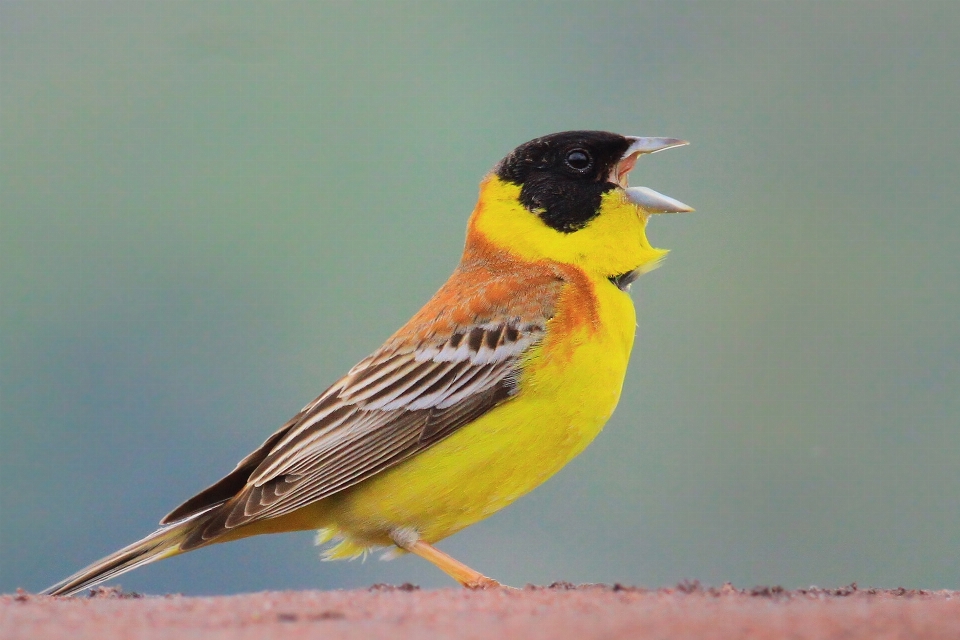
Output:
x=645 y=198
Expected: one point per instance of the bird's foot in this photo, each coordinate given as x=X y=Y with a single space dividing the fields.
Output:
x=481 y=583
x=409 y=540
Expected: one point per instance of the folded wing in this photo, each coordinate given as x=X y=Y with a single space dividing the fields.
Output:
x=397 y=402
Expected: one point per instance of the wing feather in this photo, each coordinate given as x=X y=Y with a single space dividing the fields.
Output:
x=432 y=378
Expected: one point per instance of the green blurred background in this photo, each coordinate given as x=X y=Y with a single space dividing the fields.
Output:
x=208 y=212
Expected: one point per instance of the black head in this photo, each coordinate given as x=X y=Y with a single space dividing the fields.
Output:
x=563 y=176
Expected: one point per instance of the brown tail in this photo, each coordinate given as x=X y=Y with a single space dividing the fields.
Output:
x=160 y=544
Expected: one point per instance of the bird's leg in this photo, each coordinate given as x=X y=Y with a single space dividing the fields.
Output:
x=409 y=540
x=460 y=572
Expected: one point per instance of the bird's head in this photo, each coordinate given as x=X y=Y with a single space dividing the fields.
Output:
x=565 y=197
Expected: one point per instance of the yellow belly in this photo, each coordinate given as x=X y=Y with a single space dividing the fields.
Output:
x=569 y=388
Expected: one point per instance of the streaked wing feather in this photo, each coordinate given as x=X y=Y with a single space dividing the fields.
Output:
x=369 y=462
x=380 y=414
x=229 y=485
x=457 y=358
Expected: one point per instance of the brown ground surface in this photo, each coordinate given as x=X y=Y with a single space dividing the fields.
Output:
x=559 y=611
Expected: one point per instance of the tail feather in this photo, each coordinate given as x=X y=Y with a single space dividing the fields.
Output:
x=160 y=544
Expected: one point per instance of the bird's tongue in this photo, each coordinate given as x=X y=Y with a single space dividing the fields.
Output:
x=624 y=167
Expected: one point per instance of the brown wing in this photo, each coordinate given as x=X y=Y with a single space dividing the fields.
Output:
x=385 y=411
x=402 y=399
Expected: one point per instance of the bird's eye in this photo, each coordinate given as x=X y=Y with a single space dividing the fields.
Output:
x=579 y=159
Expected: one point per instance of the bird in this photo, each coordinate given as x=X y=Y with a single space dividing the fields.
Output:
x=506 y=374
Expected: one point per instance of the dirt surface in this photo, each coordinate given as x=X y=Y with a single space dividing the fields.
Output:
x=558 y=611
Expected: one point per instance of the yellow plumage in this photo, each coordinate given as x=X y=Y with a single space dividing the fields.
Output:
x=569 y=388
x=510 y=371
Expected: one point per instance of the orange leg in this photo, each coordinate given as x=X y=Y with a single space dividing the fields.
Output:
x=469 y=578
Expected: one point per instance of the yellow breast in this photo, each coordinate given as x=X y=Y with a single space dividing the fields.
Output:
x=569 y=387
